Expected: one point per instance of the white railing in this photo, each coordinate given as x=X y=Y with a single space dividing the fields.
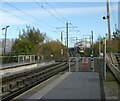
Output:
x=114 y=69
x=85 y=64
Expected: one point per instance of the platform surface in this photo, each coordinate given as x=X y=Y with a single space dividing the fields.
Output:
x=75 y=85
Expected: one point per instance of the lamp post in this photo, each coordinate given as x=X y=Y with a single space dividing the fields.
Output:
x=5 y=28
x=108 y=21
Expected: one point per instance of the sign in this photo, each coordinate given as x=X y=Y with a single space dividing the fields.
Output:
x=61 y=51
x=85 y=61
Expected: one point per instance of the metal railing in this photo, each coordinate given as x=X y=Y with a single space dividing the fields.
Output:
x=114 y=69
x=112 y=66
x=85 y=64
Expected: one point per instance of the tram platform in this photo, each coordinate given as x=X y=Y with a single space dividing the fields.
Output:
x=72 y=85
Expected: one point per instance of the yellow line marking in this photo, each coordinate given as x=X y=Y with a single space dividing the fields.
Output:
x=32 y=88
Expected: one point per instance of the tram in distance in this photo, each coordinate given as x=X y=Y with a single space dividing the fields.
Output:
x=81 y=49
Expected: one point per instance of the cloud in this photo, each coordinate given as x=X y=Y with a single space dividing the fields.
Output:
x=42 y=14
x=71 y=11
x=81 y=10
x=7 y=19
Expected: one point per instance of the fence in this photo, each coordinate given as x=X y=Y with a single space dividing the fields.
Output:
x=17 y=59
x=85 y=64
x=26 y=58
x=8 y=59
x=111 y=63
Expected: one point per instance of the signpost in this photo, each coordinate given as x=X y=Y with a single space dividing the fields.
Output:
x=104 y=58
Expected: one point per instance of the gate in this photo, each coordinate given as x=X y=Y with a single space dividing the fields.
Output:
x=85 y=64
x=73 y=64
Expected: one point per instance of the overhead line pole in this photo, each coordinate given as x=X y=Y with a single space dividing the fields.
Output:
x=92 y=59
x=108 y=19
x=109 y=31
x=66 y=27
x=92 y=41
x=99 y=47
x=61 y=37
x=67 y=36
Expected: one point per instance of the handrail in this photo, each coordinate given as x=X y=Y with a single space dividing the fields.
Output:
x=114 y=66
x=114 y=70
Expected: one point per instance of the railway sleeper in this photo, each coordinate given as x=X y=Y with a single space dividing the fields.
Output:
x=22 y=86
x=24 y=79
x=5 y=94
x=51 y=72
x=27 y=81
x=40 y=77
x=12 y=90
x=37 y=77
x=5 y=88
x=46 y=76
x=29 y=78
x=16 y=76
x=33 y=80
x=13 y=84
x=19 y=82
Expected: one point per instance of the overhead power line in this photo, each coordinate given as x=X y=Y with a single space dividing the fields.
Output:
x=48 y=11
x=27 y=14
x=14 y=15
x=55 y=11
x=21 y=18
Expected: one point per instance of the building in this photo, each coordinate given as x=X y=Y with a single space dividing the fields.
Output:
x=9 y=44
x=85 y=44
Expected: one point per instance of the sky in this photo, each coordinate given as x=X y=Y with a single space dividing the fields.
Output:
x=83 y=17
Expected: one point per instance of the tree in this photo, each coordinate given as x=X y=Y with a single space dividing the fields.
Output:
x=116 y=41
x=116 y=34
x=28 y=41
x=52 y=49
x=23 y=46
x=33 y=35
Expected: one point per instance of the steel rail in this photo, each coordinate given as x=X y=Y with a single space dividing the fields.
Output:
x=37 y=78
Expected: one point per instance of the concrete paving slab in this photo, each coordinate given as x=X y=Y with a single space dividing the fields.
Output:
x=77 y=85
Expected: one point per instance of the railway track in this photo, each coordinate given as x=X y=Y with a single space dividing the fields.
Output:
x=17 y=84
x=17 y=65
x=26 y=72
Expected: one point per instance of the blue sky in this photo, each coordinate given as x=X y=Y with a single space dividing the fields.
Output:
x=86 y=16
